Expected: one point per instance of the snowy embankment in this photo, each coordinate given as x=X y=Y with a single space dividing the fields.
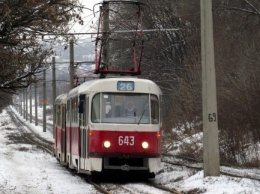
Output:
x=26 y=169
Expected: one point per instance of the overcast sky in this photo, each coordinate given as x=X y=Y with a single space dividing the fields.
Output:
x=87 y=15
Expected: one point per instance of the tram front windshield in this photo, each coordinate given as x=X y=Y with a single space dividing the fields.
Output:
x=126 y=108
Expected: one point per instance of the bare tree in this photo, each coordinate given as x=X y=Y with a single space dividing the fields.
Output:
x=23 y=27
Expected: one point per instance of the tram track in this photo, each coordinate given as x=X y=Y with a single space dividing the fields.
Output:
x=127 y=187
x=29 y=135
x=162 y=187
x=195 y=164
x=134 y=188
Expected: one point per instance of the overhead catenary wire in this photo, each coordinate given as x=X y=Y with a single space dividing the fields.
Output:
x=75 y=62
x=116 y=31
x=72 y=25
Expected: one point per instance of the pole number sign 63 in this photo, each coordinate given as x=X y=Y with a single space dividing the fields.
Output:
x=212 y=117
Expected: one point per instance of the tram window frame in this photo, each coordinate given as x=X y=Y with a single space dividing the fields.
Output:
x=86 y=111
x=99 y=113
x=72 y=111
x=63 y=120
x=68 y=110
x=155 y=109
x=58 y=116
x=95 y=108
x=75 y=110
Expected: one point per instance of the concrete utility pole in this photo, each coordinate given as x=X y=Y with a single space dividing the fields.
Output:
x=44 y=101
x=36 y=103
x=72 y=64
x=24 y=114
x=53 y=92
x=26 y=104
x=209 y=97
x=30 y=103
x=105 y=53
x=21 y=103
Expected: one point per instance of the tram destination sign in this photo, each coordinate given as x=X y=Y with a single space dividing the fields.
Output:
x=125 y=86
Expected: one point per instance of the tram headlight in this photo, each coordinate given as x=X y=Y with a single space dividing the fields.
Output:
x=145 y=145
x=107 y=144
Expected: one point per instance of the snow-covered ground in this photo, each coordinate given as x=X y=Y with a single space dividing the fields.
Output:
x=25 y=169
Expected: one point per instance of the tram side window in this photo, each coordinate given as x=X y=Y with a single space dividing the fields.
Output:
x=58 y=115
x=95 y=110
x=68 y=110
x=154 y=109
x=85 y=111
x=72 y=111
x=63 y=120
x=75 y=110
x=56 y=108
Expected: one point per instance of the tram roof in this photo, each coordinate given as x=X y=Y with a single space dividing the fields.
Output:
x=110 y=85
x=61 y=99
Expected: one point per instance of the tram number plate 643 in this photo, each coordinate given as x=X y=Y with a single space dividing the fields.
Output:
x=126 y=140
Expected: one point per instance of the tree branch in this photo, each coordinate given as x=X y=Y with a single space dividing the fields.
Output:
x=250 y=4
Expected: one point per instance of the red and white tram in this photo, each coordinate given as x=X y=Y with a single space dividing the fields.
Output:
x=112 y=124
x=60 y=126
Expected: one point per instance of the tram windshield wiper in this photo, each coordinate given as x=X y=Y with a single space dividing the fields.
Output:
x=142 y=114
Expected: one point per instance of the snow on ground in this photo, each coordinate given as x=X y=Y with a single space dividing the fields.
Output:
x=24 y=169
x=209 y=185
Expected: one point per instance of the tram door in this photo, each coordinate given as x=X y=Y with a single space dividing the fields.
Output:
x=83 y=111
x=68 y=133
x=63 y=127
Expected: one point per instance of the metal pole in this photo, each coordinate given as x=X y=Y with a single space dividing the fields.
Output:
x=36 y=103
x=24 y=114
x=71 y=64
x=53 y=93
x=26 y=105
x=44 y=101
x=21 y=105
x=209 y=99
x=30 y=103
x=106 y=34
